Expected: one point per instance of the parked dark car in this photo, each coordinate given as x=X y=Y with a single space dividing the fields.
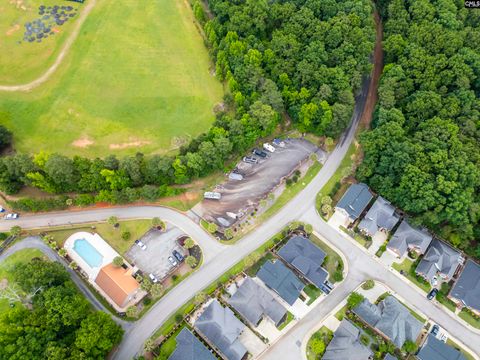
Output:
x=435 y=330
x=178 y=256
x=432 y=294
x=260 y=153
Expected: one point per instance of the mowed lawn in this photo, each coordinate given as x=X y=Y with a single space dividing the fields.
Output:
x=21 y=256
x=136 y=79
x=23 y=62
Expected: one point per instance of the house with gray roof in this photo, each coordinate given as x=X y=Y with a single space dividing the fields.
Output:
x=346 y=344
x=307 y=258
x=408 y=238
x=434 y=349
x=391 y=319
x=466 y=290
x=354 y=201
x=221 y=329
x=282 y=280
x=190 y=348
x=380 y=217
x=253 y=302
x=389 y=357
x=441 y=259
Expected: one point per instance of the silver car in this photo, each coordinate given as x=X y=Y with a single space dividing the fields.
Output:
x=172 y=261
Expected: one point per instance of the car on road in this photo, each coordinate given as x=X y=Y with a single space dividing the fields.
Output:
x=153 y=278
x=278 y=142
x=141 y=244
x=435 y=330
x=250 y=160
x=2 y=209
x=178 y=256
x=172 y=261
x=260 y=153
x=11 y=216
x=432 y=294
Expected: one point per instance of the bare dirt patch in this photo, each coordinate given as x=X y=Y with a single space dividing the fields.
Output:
x=12 y=30
x=126 y=145
x=83 y=142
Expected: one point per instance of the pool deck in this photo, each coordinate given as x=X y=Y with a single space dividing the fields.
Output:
x=96 y=241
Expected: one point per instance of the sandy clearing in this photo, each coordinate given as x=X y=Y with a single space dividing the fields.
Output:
x=83 y=142
x=12 y=30
x=125 y=145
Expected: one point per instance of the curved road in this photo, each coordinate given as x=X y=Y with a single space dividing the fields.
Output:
x=218 y=258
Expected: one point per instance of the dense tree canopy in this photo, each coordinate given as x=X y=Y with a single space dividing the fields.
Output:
x=423 y=153
x=60 y=324
x=298 y=59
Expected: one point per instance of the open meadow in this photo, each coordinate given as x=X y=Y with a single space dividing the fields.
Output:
x=136 y=79
x=24 y=59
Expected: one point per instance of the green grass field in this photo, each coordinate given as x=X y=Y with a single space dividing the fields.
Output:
x=136 y=79
x=22 y=256
x=23 y=62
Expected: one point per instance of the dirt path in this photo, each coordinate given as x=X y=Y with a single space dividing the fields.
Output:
x=376 y=73
x=66 y=47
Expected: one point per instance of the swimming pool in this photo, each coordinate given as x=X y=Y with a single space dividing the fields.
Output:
x=88 y=253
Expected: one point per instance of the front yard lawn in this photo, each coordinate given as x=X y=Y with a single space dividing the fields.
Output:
x=287 y=321
x=110 y=234
x=473 y=320
x=324 y=335
x=341 y=313
x=313 y=293
x=333 y=261
x=408 y=267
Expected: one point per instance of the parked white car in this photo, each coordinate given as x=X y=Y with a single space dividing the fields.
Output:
x=153 y=278
x=141 y=244
x=11 y=216
x=269 y=147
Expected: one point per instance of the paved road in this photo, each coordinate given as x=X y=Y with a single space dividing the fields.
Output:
x=219 y=258
x=363 y=266
x=35 y=242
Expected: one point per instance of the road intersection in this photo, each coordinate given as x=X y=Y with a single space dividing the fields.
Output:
x=218 y=258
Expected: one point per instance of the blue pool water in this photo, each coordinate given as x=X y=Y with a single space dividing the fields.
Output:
x=88 y=253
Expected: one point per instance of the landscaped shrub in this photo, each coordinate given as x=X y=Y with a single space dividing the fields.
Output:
x=367 y=285
x=354 y=299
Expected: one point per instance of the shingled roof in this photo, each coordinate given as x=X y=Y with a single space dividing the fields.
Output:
x=282 y=280
x=346 y=344
x=391 y=318
x=306 y=257
x=408 y=237
x=190 y=348
x=467 y=287
x=434 y=349
x=440 y=258
x=380 y=216
x=355 y=200
x=222 y=329
x=253 y=302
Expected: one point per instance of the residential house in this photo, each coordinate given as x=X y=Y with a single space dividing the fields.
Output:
x=391 y=319
x=389 y=357
x=408 y=238
x=440 y=259
x=346 y=344
x=190 y=348
x=307 y=258
x=221 y=329
x=380 y=217
x=282 y=280
x=354 y=201
x=466 y=290
x=434 y=349
x=118 y=284
x=254 y=302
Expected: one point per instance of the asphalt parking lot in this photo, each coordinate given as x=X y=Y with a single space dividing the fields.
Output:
x=240 y=197
x=160 y=246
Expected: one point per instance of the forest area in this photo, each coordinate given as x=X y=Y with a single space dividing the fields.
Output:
x=423 y=152
x=50 y=319
x=294 y=59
